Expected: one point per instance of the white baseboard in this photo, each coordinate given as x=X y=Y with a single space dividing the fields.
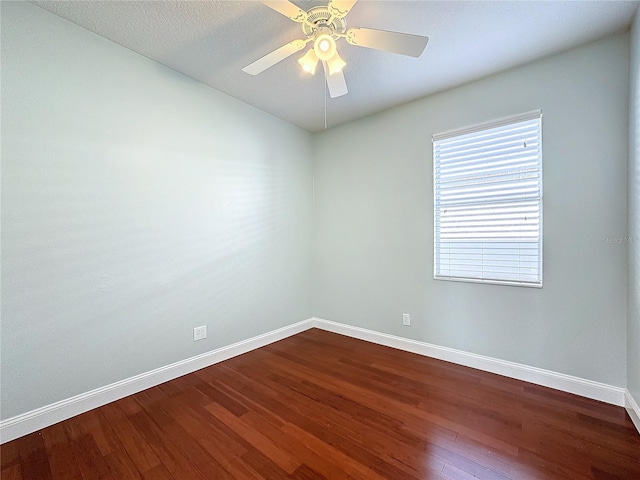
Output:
x=34 y=420
x=633 y=409
x=559 y=381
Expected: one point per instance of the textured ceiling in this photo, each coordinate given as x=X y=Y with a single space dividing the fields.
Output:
x=213 y=40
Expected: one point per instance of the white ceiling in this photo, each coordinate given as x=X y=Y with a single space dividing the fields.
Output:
x=213 y=40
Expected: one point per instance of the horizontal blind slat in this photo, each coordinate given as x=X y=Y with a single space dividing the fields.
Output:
x=522 y=141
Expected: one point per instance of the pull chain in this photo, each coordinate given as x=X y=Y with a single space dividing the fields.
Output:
x=325 y=103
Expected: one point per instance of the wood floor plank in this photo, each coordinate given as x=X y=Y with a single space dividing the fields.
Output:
x=320 y=406
x=322 y=466
x=159 y=472
x=194 y=453
x=349 y=465
x=276 y=454
x=9 y=455
x=34 y=460
x=176 y=463
x=13 y=472
x=121 y=466
x=135 y=445
x=62 y=461
x=88 y=458
x=304 y=472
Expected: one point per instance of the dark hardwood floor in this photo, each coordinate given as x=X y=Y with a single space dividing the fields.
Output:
x=323 y=406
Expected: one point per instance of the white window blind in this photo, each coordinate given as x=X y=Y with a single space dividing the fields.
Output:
x=488 y=202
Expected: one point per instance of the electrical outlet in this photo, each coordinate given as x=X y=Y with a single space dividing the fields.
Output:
x=199 y=333
x=406 y=319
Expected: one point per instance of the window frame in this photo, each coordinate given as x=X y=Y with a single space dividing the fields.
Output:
x=480 y=127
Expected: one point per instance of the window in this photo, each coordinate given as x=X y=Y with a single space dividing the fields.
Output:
x=488 y=202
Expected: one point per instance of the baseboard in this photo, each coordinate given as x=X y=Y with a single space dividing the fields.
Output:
x=559 y=381
x=34 y=420
x=632 y=409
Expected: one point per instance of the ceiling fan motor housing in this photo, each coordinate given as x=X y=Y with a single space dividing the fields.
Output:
x=318 y=23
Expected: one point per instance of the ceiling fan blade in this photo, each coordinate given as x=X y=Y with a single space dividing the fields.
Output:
x=336 y=82
x=287 y=9
x=270 y=59
x=340 y=8
x=402 y=43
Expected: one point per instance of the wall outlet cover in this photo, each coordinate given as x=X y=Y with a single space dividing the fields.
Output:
x=199 y=333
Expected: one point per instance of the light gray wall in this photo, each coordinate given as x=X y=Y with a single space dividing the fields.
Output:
x=374 y=220
x=136 y=205
x=633 y=327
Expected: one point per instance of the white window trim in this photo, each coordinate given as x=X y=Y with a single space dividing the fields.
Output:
x=532 y=115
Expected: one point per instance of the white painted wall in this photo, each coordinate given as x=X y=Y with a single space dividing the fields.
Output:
x=633 y=327
x=374 y=220
x=136 y=205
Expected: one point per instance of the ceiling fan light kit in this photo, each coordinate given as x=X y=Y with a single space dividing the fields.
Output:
x=325 y=47
x=309 y=61
x=324 y=26
x=336 y=64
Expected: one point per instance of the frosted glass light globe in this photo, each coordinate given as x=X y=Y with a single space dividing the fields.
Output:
x=325 y=47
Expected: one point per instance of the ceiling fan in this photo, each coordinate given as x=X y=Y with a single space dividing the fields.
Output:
x=324 y=25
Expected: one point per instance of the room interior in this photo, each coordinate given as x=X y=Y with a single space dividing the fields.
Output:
x=146 y=193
